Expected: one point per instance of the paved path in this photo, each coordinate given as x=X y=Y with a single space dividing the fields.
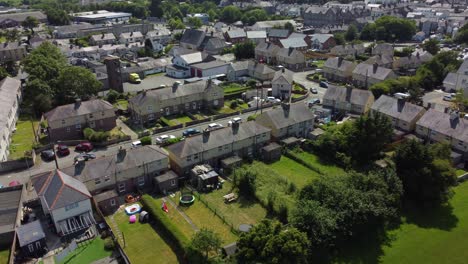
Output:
x=126 y=130
x=182 y=213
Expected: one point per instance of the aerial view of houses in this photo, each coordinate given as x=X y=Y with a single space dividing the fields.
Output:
x=233 y=131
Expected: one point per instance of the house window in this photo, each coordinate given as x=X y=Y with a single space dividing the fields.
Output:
x=195 y=156
x=173 y=182
x=112 y=202
x=102 y=113
x=68 y=130
x=38 y=244
x=63 y=122
x=141 y=181
x=91 y=116
x=106 y=179
x=189 y=158
x=122 y=187
x=71 y=206
x=220 y=148
x=78 y=127
x=97 y=181
x=31 y=247
x=150 y=108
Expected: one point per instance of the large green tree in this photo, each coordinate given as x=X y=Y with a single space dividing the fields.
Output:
x=56 y=16
x=271 y=242
x=76 y=82
x=206 y=241
x=244 y=50
x=156 y=9
x=425 y=171
x=30 y=23
x=389 y=28
x=352 y=33
x=432 y=46
x=230 y=14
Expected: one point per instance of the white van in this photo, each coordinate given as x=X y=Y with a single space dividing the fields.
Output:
x=136 y=144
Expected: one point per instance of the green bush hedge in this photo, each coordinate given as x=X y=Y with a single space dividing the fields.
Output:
x=95 y=136
x=169 y=228
x=146 y=140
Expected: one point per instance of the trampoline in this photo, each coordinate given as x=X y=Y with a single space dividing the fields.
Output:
x=187 y=199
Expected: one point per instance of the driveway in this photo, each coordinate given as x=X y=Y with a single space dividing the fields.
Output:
x=150 y=82
x=301 y=78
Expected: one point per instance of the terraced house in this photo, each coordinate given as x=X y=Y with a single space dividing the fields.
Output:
x=150 y=105
x=10 y=99
x=346 y=100
x=68 y=121
x=242 y=139
x=338 y=69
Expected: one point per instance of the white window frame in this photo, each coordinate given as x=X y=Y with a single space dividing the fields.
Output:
x=31 y=248
x=141 y=180
x=121 y=187
x=173 y=182
x=112 y=202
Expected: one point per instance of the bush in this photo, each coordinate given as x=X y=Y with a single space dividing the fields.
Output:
x=146 y=140
x=168 y=227
x=87 y=132
x=95 y=136
x=233 y=104
x=112 y=96
x=251 y=117
x=104 y=234
x=109 y=244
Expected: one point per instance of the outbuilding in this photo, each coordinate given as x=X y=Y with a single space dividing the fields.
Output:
x=32 y=239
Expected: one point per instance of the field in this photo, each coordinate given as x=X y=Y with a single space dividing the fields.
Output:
x=242 y=211
x=293 y=171
x=87 y=252
x=23 y=139
x=142 y=243
x=432 y=238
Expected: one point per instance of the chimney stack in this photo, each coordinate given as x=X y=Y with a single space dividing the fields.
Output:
x=375 y=66
x=340 y=61
x=206 y=135
x=77 y=103
x=175 y=85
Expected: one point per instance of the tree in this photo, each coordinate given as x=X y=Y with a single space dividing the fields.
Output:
x=368 y=32
x=76 y=82
x=206 y=241
x=425 y=172
x=195 y=22
x=389 y=28
x=432 y=46
x=176 y=24
x=432 y=73
x=58 y=17
x=155 y=9
x=338 y=208
x=351 y=33
x=339 y=38
x=3 y=73
x=289 y=27
x=30 y=22
x=271 y=242
x=230 y=14
x=244 y=50
x=252 y=16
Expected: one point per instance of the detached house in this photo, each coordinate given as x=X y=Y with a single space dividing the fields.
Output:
x=365 y=75
x=402 y=114
x=66 y=200
x=266 y=52
x=68 y=121
x=442 y=127
x=150 y=105
x=338 y=69
x=292 y=59
x=241 y=139
x=282 y=84
x=131 y=37
x=289 y=120
x=346 y=100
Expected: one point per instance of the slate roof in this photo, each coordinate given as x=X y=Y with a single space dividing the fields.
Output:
x=215 y=43
x=441 y=123
x=260 y=68
x=10 y=198
x=72 y=110
x=239 y=33
x=169 y=175
x=278 y=33
x=293 y=43
x=59 y=189
x=281 y=117
x=168 y=92
x=380 y=59
x=30 y=233
x=463 y=69
x=353 y=96
x=258 y=34
x=105 y=196
x=102 y=37
x=291 y=52
x=365 y=69
x=191 y=58
x=339 y=64
x=398 y=109
x=267 y=47
x=287 y=75
x=193 y=37
x=20 y=17
x=11 y=46
x=209 y=65
x=240 y=65
x=216 y=138
x=135 y=34
x=272 y=23
x=322 y=38
x=109 y=165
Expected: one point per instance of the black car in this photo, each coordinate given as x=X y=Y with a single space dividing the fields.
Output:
x=48 y=154
x=191 y=132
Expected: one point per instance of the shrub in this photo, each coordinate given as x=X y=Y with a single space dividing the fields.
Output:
x=146 y=140
x=233 y=104
x=104 y=234
x=109 y=244
x=112 y=96
x=251 y=117
x=87 y=132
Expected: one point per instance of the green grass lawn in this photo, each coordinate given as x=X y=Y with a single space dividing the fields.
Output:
x=4 y=254
x=293 y=171
x=142 y=243
x=179 y=119
x=23 y=139
x=227 y=103
x=121 y=104
x=87 y=252
x=234 y=88
x=460 y=172
x=319 y=63
x=439 y=237
x=315 y=162
x=203 y=217
x=242 y=211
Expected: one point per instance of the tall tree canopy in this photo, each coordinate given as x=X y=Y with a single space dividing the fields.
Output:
x=389 y=28
x=156 y=9
x=230 y=14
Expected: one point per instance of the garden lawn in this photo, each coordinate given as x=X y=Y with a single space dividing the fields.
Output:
x=319 y=63
x=227 y=103
x=180 y=119
x=202 y=217
x=142 y=243
x=439 y=238
x=87 y=252
x=460 y=172
x=23 y=139
x=234 y=88
x=4 y=254
x=242 y=211
x=121 y=104
x=293 y=171
x=314 y=161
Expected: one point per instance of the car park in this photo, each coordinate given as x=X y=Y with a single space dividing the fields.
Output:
x=48 y=155
x=191 y=132
x=85 y=146
x=164 y=138
x=62 y=150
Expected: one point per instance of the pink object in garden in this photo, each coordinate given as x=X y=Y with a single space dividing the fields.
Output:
x=132 y=219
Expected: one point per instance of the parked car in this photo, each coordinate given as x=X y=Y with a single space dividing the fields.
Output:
x=136 y=144
x=135 y=78
x=164 y=138
x=448 y=97
x=48 y=154
x=323 y=84
x=84 y=156
x=85 y=146
x=62 y=150
x=313 y=101
x=191 y=132
x=214 y=126
x=234 y=120
x=313 y=90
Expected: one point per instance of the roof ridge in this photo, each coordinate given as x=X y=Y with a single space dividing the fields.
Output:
x=71 y=187
x=48 y=180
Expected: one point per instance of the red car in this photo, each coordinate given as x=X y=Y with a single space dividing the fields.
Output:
x=63 y=150
x=85 y=146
